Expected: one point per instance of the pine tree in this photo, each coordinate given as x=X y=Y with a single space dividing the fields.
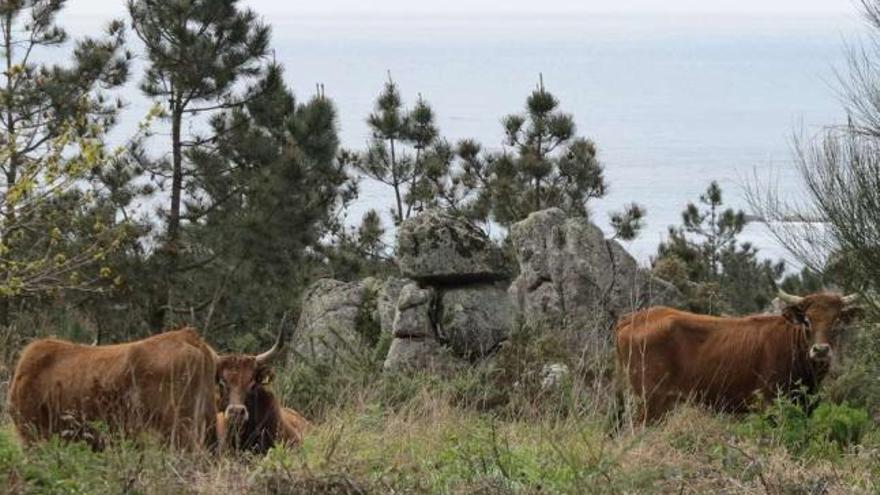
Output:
x=198 y=51
x=423 y=135
x=53 y=119
x=704 y=258
x=399 y=149
x=716 y=229
x=548 y=166
x=271 y=189
x=369 y=238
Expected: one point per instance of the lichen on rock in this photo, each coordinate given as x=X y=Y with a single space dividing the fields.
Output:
x=437 y=247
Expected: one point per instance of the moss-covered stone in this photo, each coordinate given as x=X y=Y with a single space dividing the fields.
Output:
x=337 y=319
x=571 y=276
x=473 y=320
x=437 y=247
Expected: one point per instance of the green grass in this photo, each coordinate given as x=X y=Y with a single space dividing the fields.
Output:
x=431 y=445
x=491 y=430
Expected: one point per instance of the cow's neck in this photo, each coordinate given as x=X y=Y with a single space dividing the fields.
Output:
x=792 y=355
x=260 y=428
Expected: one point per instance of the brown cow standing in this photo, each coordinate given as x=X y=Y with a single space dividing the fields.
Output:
x=164 y=383
x=252 y=418
x=669 y=355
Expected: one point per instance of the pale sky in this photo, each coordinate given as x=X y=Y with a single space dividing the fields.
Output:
x=286 y=9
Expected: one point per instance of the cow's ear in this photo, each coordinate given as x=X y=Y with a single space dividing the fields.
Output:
x=848 y=315
x=796 y=314
x=267 y=375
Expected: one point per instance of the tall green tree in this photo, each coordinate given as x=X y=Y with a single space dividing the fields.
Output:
x=197 y=52
x=369 y=236
x=546 y=165
x=451 y=177
x=706 y=261
x=271 y=190
x=53 y=119
x=400 y=144
x=714 y=229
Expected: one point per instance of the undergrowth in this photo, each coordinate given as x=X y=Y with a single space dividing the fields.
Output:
x=432 y=446
x=496 y=428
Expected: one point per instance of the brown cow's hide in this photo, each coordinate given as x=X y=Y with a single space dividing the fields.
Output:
x=668 y=356
x=163 y=384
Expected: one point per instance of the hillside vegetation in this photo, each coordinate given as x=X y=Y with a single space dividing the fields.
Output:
x=479 y=432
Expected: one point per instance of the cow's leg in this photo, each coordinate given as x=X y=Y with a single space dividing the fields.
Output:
x=221 y=435
x=649 y=384
x=289 y=433
x=185 y=434
x=656 y=406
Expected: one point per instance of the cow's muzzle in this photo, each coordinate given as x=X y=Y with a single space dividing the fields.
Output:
x=236 y=414
x=820 y=352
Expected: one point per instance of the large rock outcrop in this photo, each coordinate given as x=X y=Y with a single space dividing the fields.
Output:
x=415 y=344
x=436 y=247
x=419 y=354
x=413 y=318
x=473 y=320
x=457 y=309
x=333 y=318
x=386 y=301
x=571 y=276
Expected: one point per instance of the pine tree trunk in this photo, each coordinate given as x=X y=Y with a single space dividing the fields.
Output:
x=9 y=213
x=12 y=166
x=176 y=181
x=172 y=236
x=396 y=181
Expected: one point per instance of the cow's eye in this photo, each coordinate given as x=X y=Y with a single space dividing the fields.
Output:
x=222 y=383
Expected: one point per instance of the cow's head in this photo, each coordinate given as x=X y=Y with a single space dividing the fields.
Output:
x=239 y=378
x=823 y=316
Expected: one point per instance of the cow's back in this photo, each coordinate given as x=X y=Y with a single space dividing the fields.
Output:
x=652 y=328
x=294 y=426
x=163 y=383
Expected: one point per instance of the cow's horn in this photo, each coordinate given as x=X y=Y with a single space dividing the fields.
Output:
x=789 y=298
x=279 y=343
x=850 y=299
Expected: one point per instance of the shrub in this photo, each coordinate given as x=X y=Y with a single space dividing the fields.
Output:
x=313 y=385
x=855 y=381
x=313 y=388
x=855 y=384
x=11 y=460
x=57 y=466
x=839 y=424
x=278 y=474
x=515 y=382
x=826 y=432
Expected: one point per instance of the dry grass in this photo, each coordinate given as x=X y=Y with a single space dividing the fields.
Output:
x=433 y=446
x=476 y=432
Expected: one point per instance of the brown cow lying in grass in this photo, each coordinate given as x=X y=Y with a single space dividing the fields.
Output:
x=252 y=418
x=163 y=384
x=669 y=356
x=288 y=430
x=167 y=384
